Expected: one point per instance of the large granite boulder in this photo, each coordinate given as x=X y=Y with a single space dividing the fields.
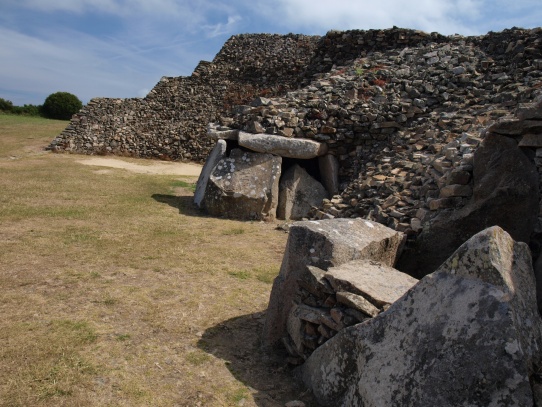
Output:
x=244 y=186
x=505 y=194
x=283 y=146
x=324 y=244
x=217 y=153
x=299 y=192
x=467 y=335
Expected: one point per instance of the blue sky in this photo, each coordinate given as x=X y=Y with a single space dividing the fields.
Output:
x=121 y=48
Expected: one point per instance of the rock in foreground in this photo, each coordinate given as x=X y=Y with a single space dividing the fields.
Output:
x=468 y=334
x=324 y=244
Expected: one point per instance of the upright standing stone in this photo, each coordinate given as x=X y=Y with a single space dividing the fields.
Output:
x=505 y=193
x=217 y=154
x=299 y=192
x=329 y=173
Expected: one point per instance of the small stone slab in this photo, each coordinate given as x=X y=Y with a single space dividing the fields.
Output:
x=283 y=146
x=378 y=283
x=215 y=132
x=357 y=302
x=514 y=127
x=454 y=190
x=299 y=192
x=314 y=282
x=531 y=140
x=529 y=111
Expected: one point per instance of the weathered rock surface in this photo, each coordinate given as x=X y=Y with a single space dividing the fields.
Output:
x=505 y=194
x=244 y=186
x=468 y=334
x=380 y=284
x=218 y=153
x=283 y=146
x=298 y=193
x=329 y=172
x=216 y=132
x=324 y=244
x=325 y=303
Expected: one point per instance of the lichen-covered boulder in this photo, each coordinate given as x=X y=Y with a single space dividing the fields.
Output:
x=299 y=192
x=324 y=244
x=244 y=185
x=467 y=335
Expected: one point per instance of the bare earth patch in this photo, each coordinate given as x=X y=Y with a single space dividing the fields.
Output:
x=145 y=166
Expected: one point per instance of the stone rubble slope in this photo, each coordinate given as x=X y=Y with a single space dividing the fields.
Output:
x=170 y=122
x=405 y=123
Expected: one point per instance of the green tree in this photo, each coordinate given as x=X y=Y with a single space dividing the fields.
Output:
x=61 y=105
x=6 y=105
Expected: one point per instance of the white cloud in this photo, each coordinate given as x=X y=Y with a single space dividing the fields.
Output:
x=445 y=16
x=81 y=64
x=219 y=29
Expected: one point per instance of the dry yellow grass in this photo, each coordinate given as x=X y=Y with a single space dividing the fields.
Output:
x=115 y=291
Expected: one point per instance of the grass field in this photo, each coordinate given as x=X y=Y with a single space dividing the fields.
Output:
x=116 y=291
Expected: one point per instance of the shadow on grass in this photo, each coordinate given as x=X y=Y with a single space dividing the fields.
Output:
x=237 y=342
x=185 y=204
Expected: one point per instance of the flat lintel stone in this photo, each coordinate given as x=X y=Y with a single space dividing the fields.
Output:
x=283 y=146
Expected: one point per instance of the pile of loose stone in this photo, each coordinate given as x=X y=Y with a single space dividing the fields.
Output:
x=404 y=123
x=170 y=122
x=342 y=296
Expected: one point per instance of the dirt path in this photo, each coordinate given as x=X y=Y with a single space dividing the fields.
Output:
x=149 y=167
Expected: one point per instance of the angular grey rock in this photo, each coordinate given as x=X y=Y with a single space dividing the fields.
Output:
x=531 y=140
x=529 y=111
x=505 y=193
x=314 y=282
x=468 y=334
x=455 y=190
x=217 y=132
x=244 y=186
x=357 y=302
x=329 y=173
x=217 y=154
x=380 y=284
x=515 y=127
x=324 y=244
x=283 y=146
x=298 y=193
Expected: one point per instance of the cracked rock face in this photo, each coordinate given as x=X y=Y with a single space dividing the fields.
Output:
x=244 y=186
x=468 y=334
x=324 y=244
